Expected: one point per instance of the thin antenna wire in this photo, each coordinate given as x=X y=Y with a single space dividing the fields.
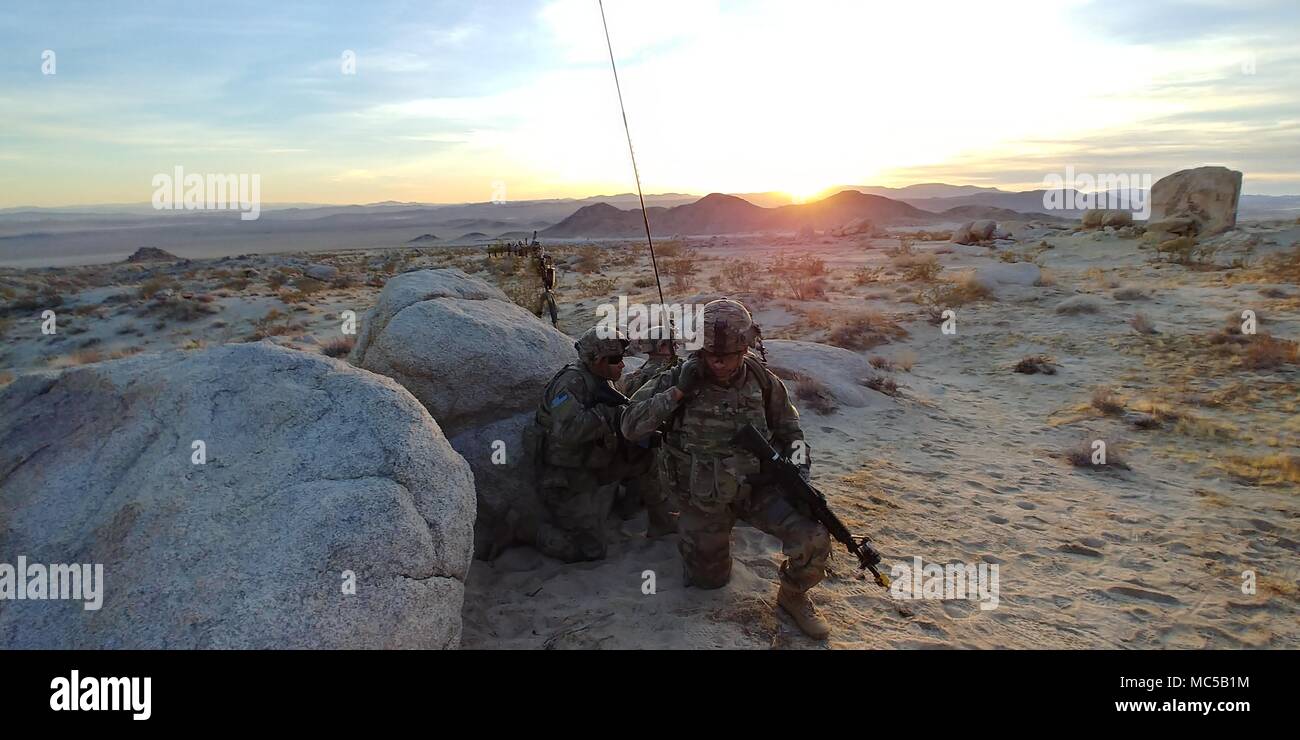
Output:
x=645 y=218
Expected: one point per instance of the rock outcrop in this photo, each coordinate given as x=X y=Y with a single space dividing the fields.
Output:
x=316 y=478
x=1196 y=202
x=479 y=363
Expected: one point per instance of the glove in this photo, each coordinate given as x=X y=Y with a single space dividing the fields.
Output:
x=690 y=379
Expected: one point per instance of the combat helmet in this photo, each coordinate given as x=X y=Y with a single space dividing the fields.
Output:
x=600 y=341
x=656 y=336
x=728 y=327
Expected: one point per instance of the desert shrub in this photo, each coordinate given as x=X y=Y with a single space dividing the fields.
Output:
x=1078 y=304
x=276 y=280
x=904 y=247
x=669 y=249
x=274 y=323
x=1284 y=266
x=738 y=275
x=599 y=287
x=1130 y=294
x=344 y=281
x=1264 y=470
x=1107 y=401
x=1080 y=456
x=881 y=363
x=681 y=270
x=588 y=261
x=924 y=269
x=502 y=266
x=339 y=346
x=965 y=289
x=6 y=378
x=815 y=395
x=864 y=330
x=643 y=282
x=866 y=275
x=238 y=283
x=1265 y=352
x=1274 y=292
x=1035 y=364
x=308 y=286
x=154 y=286
x=882 y=384
x=799 y=274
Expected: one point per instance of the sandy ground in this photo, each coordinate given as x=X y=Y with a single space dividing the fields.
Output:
x=967 y=463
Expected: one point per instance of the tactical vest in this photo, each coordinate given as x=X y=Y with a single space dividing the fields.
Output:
x=701 y=463
x=559 y=452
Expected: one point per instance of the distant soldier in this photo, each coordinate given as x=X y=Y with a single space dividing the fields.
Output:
x=645 y=488
x=581 y=458
x=700 y=405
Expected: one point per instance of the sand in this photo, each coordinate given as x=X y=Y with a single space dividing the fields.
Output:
x=966 y=464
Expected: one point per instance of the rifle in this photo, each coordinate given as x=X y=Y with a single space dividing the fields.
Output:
x=795 y=487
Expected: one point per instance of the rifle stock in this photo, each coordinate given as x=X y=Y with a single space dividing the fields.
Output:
x=795 y=487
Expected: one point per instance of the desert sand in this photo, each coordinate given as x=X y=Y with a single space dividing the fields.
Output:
x=960 y=458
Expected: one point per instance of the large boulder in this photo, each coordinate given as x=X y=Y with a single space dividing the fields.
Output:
x=465 y=351
x=839 y=371
x=479 y=363
x=1008 y=273
x=1100 y=218
x=1207 y=196
x=316 y=474
x=974 y=232
x=321 y=271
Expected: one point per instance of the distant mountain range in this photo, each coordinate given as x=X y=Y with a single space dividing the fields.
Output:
x=728 y=214
x=93 y=234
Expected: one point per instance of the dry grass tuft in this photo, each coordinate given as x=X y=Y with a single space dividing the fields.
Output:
x=1107 y=401
x=1264 y=470
x=1080 y=456
x=339 y=347
x=864 y=330
x=1035 y=364
x=815 y=395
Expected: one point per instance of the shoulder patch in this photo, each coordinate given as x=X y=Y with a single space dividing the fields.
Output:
x=559 y=399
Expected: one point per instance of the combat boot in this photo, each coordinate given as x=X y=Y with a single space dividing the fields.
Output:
x=801 y=609
x=660 y=521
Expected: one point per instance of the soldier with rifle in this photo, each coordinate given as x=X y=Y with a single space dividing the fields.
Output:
x=699 y=407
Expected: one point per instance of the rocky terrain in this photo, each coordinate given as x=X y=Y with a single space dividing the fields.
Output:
x=952 y=381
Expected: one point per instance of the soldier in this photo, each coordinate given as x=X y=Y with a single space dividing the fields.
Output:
x=658 y=348
x=704 y=402
x=645 y=488
x=580 y=456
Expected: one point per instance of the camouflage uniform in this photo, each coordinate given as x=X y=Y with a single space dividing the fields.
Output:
x=582 y=458
x=645 y=488
x=717 y=482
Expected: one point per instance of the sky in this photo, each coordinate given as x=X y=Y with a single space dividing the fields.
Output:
x=490 y=100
